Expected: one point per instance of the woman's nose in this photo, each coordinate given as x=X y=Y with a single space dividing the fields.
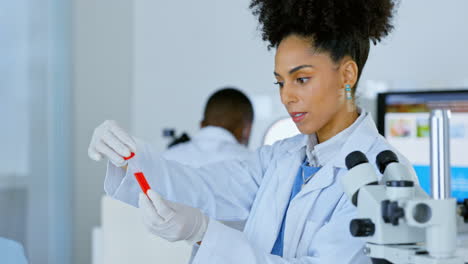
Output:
x=288 y=95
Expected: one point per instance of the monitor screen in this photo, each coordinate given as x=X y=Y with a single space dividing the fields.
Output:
x=403 y=118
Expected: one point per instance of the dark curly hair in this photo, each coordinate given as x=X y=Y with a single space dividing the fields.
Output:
x=339 y=27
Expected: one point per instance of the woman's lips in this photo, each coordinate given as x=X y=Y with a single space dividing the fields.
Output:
x=298 y=116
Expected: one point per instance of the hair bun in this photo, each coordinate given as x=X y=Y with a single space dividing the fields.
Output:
x=324 y=19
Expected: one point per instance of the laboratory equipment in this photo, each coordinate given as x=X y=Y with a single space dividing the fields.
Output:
x=139 y=175
x=398 y=220
x=132 y=154
x=175 y=140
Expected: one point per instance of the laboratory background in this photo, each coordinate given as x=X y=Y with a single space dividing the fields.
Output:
x=68 y=65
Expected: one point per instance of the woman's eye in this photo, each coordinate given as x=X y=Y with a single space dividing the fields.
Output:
x=280 y=84
x=302 y=80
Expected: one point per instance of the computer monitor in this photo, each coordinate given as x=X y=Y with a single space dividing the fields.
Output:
x=403 y=119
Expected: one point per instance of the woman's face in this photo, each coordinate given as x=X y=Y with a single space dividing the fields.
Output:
x=311 y=85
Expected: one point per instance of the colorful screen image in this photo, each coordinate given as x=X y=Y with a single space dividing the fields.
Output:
x=422 y=127
x=400 y=127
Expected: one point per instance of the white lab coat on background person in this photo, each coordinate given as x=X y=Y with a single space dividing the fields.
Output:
x=258 y=190
x=210 y=144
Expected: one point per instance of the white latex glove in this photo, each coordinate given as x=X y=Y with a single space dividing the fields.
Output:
x=112 y=142
x=172 y=221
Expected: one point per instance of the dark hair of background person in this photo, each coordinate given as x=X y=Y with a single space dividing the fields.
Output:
x=338 y=27
x=231 y=109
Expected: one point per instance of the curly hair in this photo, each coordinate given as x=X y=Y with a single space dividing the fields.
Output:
x=339 y=27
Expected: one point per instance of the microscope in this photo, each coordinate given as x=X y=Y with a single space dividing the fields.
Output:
x=399 y=222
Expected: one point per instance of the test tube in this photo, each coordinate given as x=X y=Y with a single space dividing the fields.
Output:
x=139 y=175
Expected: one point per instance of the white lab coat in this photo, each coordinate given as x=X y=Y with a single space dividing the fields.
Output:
x=317 y=222
x=210 y=145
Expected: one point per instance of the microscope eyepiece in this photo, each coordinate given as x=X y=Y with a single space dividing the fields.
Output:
x=362 y=227
x=355 y=158
x=384 y=158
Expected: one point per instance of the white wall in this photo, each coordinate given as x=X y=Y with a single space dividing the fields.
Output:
x=185 y=50
x=102 y=54
x=426 y=51
x=428 y=46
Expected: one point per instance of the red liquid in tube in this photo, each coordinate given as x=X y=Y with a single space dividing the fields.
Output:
x=139 y=176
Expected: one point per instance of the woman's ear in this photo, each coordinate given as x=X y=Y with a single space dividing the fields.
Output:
x=349 y=72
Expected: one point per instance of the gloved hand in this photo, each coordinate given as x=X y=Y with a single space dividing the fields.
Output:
x=172 y=221
x=111 y=141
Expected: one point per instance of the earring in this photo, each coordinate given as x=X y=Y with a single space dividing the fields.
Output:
x=348 y=92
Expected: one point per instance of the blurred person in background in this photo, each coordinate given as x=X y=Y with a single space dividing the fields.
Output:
x=224 y=131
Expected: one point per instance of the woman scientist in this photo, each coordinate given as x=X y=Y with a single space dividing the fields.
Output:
x=289 y=193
